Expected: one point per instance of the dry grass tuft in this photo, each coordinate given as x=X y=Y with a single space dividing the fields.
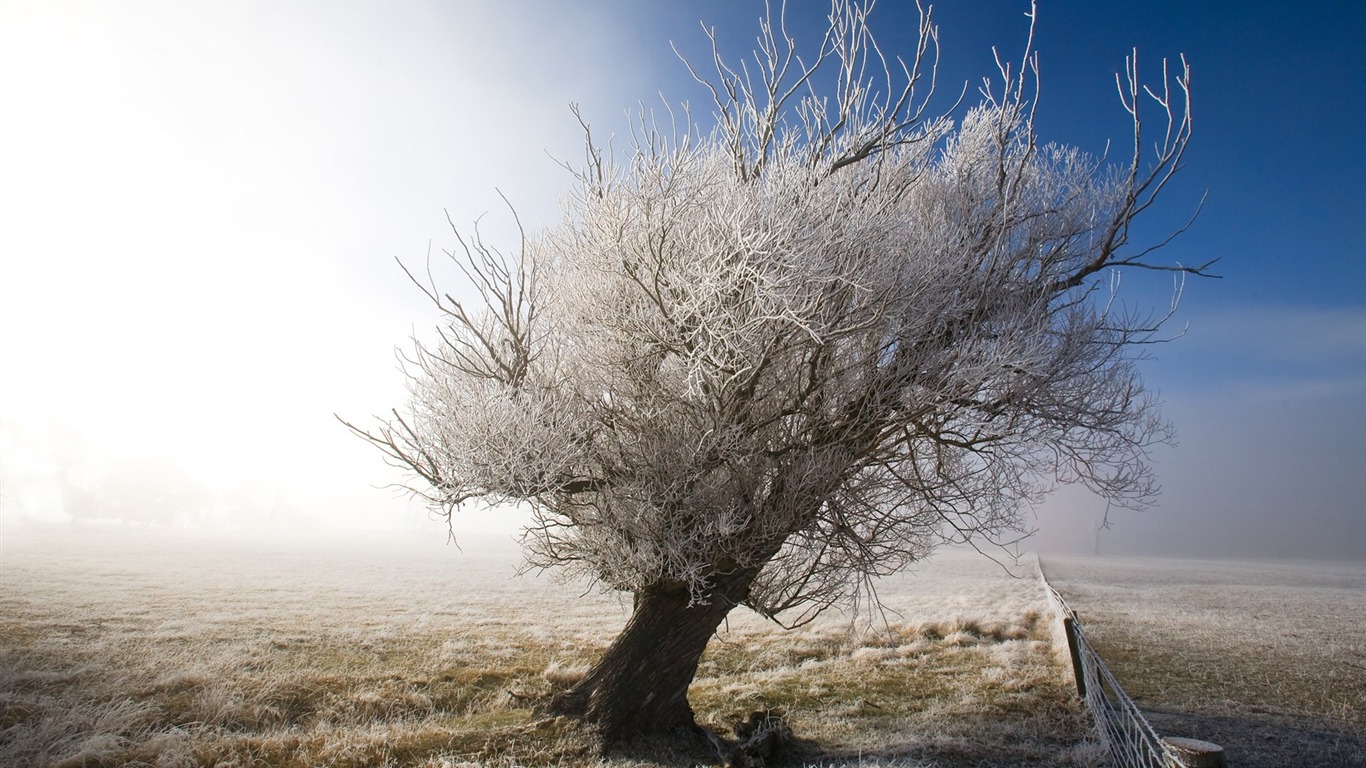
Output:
x=563 y=677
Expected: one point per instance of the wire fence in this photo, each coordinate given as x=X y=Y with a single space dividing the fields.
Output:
x=1123 y=729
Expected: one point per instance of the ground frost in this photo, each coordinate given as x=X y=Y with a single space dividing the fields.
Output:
x=141 y=647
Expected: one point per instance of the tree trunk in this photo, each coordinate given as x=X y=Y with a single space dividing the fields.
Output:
x=640 y=685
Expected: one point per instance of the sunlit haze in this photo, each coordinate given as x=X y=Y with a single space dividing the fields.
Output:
x=201 y=205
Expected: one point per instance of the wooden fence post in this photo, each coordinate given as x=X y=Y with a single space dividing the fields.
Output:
x=1069 y=629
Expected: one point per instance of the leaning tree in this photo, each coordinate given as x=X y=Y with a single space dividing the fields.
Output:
x=761 y=363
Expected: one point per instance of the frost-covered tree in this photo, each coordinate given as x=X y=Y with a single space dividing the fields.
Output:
x=762 y=363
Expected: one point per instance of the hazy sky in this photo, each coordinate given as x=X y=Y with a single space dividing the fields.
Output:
x=201 y=203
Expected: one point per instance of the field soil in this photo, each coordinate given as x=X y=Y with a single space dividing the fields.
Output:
x=1267 y=659
x=129 y=646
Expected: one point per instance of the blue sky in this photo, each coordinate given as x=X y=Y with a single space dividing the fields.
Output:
x=200 y=204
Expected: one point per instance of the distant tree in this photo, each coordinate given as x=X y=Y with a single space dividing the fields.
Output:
x=763 y=363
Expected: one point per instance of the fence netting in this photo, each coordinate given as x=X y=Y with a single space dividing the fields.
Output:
x=1123 y=729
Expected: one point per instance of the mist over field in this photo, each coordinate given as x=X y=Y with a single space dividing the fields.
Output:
x=1310 y=507
x=1268 y=471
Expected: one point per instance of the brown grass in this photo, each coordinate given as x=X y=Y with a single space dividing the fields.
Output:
x=140 y=648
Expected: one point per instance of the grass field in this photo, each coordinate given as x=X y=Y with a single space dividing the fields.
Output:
x=1267 y=659
x=141 y=647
